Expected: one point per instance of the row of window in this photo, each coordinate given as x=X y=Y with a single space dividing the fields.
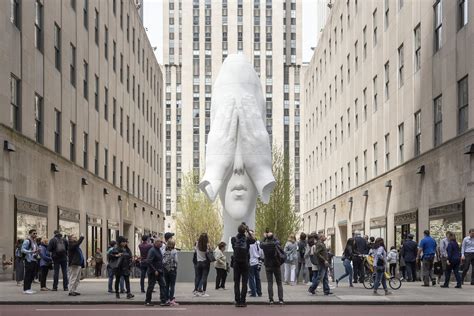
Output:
x=314 y=159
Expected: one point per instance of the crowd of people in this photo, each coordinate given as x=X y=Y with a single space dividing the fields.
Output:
x=283 y=263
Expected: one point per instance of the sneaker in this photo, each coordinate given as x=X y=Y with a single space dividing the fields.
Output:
x=444 y=286
x=204 y=294
x=173 y=303
x=271 y=302
x=376 y=293
x=388 y=293
x=72 y=294
x=54 y=289
x=328 y=293
x=165 y=304
x=122 y=291
x=337 y=283
x=29 y=292
x=433 y=282
x=44 y=289
x=66 y=289
x=196 y=293
x=458 y=287
x=130 y=295
x=149 y=304
x=77 y=293
x=280 y=302
x=311 y=292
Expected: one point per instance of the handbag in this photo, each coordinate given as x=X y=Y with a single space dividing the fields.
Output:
x=280 y=254
x=438 y=268
x=210 y=256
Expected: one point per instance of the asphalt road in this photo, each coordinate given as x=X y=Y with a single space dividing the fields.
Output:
x=206 y=310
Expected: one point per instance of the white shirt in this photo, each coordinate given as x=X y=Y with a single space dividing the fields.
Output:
x=467 y=245
x=255 y=253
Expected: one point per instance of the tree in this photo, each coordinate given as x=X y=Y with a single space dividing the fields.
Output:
x=278 y=215
x=198 y=215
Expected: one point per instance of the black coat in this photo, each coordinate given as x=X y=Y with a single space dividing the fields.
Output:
x=124 y=260
x=75 y=256
x=269 y=252
x=361 y=246
x=155 y=260
x=409 y=250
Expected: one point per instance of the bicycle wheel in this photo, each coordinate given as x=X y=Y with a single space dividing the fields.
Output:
x=395 y=283
x=369 y=281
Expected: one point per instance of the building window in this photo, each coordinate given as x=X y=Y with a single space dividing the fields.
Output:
x=72 y=66
x=387 y=80
x=438 y=121
x=121 y=122
x=86 y=14
x=401 y=65
x=72 y=143
x=438 y=8
x=15 y=13
x=106 y=164
x=106 y=103
x=39 y=26
x=114 y=56
x=365 y=166
x=128 y=129
x=364 y=36
x=96 y=94
x=57 y=47
x=106 y=42
x=401 y=143
x=86 y=80
x=463 y=12
x=387 y=152
x=114 y=169
x=417 y=133
x=387 y=12
x=85 y=150
x=121 y=68
x=15 y=102
x=417 y=33
x=38 y=119
x=375 y=159
x=57 y=132
x=374 y=23
x=96 y=159
x=374 y=82
x=96 y=27
x=114 y=113
x=463 y=105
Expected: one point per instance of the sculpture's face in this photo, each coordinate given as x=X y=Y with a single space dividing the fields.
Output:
x=239 y=195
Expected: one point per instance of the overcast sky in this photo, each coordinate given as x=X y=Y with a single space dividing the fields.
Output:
x=153 y=21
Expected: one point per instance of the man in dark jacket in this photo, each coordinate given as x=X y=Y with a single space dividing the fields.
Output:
x=241 y=245
x=272 y=266
x=76 y=263
x=144 y=248
x=155 y=274
x=58 y=247
x=361 y=248
x=409 y=252
x=321 y=254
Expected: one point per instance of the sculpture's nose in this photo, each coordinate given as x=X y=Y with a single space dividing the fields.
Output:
x=238 y=161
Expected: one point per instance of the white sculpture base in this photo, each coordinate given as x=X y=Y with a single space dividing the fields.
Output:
x=231 y=224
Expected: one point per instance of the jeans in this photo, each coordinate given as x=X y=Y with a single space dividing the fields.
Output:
x=143 y=269
x=290 y=272
x=348 y=268
x=118 y=279
x=255 y=284
x=453 y=266
x=29 y=274
x=428 y=270
x=152 y=279
x=321 y=275
x=63 y=265
x=111 y=275
x=241 y=272
x=220 y=278
x=380 y=277
x=43 y=275
x=202 y=271
x=301 y=267
x=170 y=282
x=274 y=271
x=411 y=271
x=468 y=261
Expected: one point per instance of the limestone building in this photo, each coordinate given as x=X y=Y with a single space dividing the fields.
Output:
x=388 y=138
x=80 y=123
x=198 y=35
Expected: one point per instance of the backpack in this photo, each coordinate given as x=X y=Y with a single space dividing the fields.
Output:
x=60 y=247
x=241 y=253
x=22 y=254
x=280 y=254
x=169 y=263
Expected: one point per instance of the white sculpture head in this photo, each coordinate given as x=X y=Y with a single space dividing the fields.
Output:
x=238 y=154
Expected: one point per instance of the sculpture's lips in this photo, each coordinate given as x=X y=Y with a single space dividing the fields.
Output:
x=239 y=187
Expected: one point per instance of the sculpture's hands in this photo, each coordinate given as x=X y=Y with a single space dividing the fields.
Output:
x=220 y=148
x=255 y=146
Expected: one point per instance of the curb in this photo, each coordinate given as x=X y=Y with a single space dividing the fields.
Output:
x=367 y=303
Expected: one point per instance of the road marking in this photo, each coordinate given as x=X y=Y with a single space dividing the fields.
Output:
x=108 y=309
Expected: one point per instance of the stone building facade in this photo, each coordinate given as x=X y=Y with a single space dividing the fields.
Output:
x=80 y=124
x=388 y=138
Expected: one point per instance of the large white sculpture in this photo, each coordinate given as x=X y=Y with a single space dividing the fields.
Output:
x=238 y=153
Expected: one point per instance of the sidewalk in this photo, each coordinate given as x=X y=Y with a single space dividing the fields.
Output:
x=94 y=291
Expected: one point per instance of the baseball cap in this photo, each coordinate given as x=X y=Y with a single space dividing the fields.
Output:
x=168 y=235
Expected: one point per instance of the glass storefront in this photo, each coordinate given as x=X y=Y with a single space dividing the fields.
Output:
x=378 y=228
x=94 y=235
x=112 y=231
x=405 y=223
x=358 y=226
x=138 y=239
x=68 y=222
x=447 y=218
x=30 y=215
